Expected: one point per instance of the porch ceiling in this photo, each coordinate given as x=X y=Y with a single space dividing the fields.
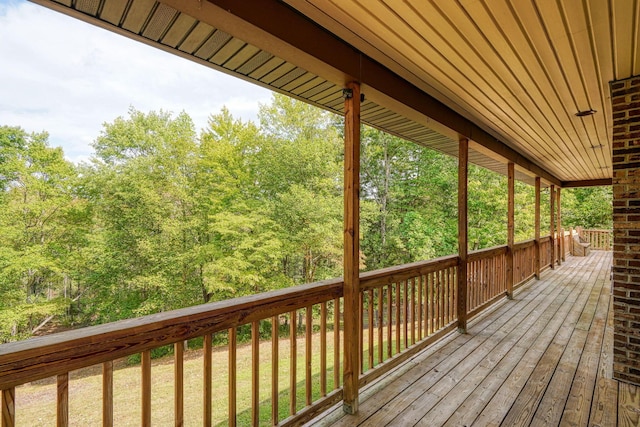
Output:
x=510 y=74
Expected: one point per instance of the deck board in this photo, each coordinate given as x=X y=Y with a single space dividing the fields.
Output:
x=542 y=359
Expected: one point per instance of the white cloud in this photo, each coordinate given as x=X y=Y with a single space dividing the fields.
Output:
x=68 y=77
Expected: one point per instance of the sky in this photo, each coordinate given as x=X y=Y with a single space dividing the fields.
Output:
x=64 y=76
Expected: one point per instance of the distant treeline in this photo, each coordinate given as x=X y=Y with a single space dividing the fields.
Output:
x=162 y=217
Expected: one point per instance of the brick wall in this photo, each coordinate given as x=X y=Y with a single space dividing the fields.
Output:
x=625 y=99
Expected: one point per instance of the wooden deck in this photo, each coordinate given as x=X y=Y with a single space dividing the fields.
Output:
x=544 y=358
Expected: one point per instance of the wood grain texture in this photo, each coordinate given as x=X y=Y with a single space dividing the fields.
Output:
x=233 y=395
x=178 y=390
x=463 y=244
x=510 y=227
x=351 y=237
x=629 y=402
x=206 y=380
x=8 y=407
x=536 y=224
x=107 y=394
x=275 y=338
x=145 y=398
x=255 y=373
x=62 y=401
x=528 y=361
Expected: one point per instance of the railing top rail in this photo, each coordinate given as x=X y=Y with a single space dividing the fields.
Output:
x=524 y=244
x=385 y=276
x=50 y=355
x=486 y=253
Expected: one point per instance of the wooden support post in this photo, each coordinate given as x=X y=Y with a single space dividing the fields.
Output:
x=552 y=227
x=537 y=228
x=560 y=230
x=351 y=245
x=463 y=169
x=510 y=226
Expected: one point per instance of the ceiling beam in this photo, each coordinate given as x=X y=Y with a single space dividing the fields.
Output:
x=587 y=183
x=281 y=30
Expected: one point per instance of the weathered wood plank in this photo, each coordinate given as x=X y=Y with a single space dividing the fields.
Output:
x=430 y=373
x=526 y=403
x=604 y=408
x=578 y=406
x=447 y=393
x=629 y=402
x=526 y=353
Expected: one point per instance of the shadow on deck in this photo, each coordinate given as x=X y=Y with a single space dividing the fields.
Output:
x=544 y=358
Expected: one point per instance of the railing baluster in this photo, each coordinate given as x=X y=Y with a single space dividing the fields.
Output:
x=178 y=369
x=380 y=323
x=232 y=376
x=62 y=413
x=361 y=334
x=389 y=319
x=307 y=353
x=427 y=305
x=107 y=394
x=323 y=349
x=420 y=334
x=336 y=344
x=146 y=388
x=275 y=339
x=405 y=311
x=413 y=311
x=370 y=325
x=255 y=373
x=398 y=318
x=206 y=389
x=9 y=407
x=293 y=354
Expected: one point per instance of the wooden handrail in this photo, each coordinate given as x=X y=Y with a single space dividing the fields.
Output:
x=524 y=244
x=43 y=357
x=395 y=274
x=486 y=253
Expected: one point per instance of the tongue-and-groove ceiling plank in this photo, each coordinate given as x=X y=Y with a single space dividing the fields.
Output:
x=520 y=69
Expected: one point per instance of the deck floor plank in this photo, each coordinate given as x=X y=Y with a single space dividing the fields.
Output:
x=526 y=353
x=446 y=372
x=629 y=405
x=544 y=358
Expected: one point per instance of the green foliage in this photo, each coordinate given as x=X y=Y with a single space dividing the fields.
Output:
x=38 y=207
x=163 y=218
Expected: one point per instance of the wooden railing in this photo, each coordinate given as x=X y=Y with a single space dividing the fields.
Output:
x=402 y=310
x=59 y=354
x=599 y=239
x=545 y=252
x=486 y=277
x=524 y=266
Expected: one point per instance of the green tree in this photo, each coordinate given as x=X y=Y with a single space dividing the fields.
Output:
x=37 y=220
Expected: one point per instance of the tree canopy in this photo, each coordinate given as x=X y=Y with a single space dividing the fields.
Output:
x=164 y=217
